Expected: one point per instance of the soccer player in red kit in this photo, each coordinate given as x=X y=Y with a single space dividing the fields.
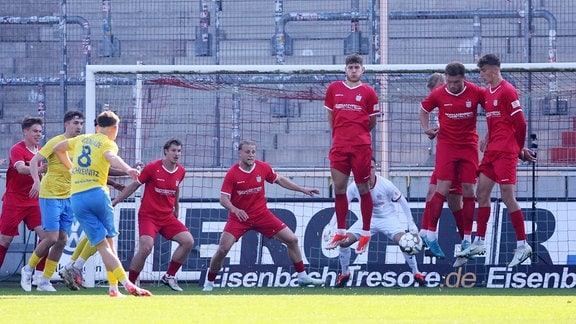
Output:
x=158 y=212
x=352 y=112
x=454 y=197
x=243 y=195
x=17 y=205
x=457 y=146
x=502 y=146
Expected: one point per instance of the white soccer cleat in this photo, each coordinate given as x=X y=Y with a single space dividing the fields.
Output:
x=171 y=282
x=45 y=285
x=307 y=281
x=460 y=261
x=26 y=279
x=208 y=286
x=477 y=247
x=520 y=255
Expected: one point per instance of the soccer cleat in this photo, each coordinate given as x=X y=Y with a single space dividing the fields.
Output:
x=69 y=278
x=342 y=280
x=45 y=285
x=171 y=282
x=36 y=278
x=26 y=279
x=115 y=293
x=307 y=281
x=78 y=277
x=208 y=286
x=435 y=249
x=362 y=244
x=477 y=247
x=337 y=239
x=460 y=261
x=136 y=291
x=419 y=278
x=520 y=255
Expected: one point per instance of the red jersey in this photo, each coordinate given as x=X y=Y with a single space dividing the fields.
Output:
x=504 y=117
x=457 y=113
x=160 y=189
x=351 y=110
x=246 y=188
x=18 y=185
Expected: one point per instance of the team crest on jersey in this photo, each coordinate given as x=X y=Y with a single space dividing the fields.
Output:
x=258 y=179
x=495 y=102
x=468 y=104
x=358 y=97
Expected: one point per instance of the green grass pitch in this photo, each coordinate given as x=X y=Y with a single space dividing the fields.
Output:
x=290 y=305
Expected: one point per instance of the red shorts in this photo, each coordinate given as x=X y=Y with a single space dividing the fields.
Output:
x=168 y=226
x=455 y=187
x=457 y=162
x=266 y=223
x=500 y=167
x=12 y=216
x=357 y=159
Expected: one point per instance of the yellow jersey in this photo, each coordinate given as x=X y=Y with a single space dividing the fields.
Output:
x=90 y=166
x=56 y=182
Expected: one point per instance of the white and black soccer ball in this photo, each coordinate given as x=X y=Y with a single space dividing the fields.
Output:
x=410 y=243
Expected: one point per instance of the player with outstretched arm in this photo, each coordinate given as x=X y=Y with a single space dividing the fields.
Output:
x=243 y=195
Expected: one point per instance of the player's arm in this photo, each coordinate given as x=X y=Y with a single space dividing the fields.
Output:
x=373 y=121
x=128 y=190
x=290 y=185
x=329 y=116
x=520 y=136
x=423 y=115
x=117 y=162
x=408 y=214
x=177 y=203
x=227 y=203
x=61 y=151
x=35 y=174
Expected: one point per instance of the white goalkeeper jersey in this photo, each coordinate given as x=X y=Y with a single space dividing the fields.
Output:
x=384 y=196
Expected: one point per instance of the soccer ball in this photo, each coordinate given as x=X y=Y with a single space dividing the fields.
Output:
x=410 y=243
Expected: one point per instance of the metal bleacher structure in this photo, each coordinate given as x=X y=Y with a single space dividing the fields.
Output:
x=158 y=32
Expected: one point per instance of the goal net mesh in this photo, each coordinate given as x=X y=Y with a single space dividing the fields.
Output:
x=283 y=112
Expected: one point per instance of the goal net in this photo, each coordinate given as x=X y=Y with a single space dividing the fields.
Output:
x=212 y=108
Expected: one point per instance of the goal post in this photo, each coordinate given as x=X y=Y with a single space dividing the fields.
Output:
x=211 y=107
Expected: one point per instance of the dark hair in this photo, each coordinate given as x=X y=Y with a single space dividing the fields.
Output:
x=455 y=69
x=28 y=121
x=245 y=142
x=489 y=59
x=172 y=141
x=69 y=115
x=354 y=59
x=107 y=118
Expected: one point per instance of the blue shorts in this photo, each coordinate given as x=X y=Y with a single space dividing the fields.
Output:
x=93 y=210
x=57 y=214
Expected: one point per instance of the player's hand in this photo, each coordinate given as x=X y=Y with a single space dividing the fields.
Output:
x=43 y=168
x=241 y=214
x=133 y=173
x=527 y=155
x=311 y=191
x=35 y=190
x=432 y=132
